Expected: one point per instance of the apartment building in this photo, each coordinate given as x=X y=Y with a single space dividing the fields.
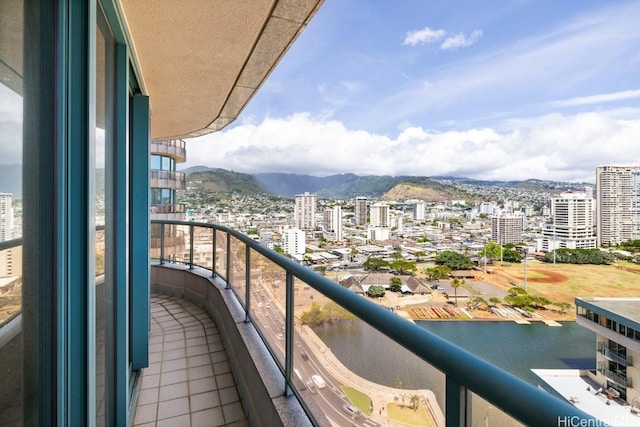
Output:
x=304 y=215
x=507 y=228
x=360 y=211
x=333 y=224
x=6 y=217
x=616 y=323
x=419 y=211
x=617 y=204
x=572 y=225
x=380 y=215
x=293 y=241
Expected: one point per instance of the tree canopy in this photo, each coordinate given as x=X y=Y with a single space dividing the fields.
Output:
x=580 y=256
x=375 y=291
x=454 y=260
x=375 y=264
x=403 y=267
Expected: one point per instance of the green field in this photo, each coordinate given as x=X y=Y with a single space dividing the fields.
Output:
x=358 y=399
x=406 y=415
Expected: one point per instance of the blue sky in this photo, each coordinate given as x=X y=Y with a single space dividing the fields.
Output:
x=490 y=90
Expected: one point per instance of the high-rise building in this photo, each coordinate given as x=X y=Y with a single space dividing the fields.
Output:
x=333 y=223
x=164 y=183
x=617 y=204
x=305 y=212
x=6 y=217
x=380 y=215
x=166 y=180
x=360 y=210
x=572 y=225
x=293 y=241
x=507 y=228
x=419 y=211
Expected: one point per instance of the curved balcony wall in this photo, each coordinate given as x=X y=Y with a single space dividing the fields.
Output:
x=168 y=179
x=174 y=148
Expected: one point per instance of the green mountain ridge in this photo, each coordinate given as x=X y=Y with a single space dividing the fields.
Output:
x=216 y=180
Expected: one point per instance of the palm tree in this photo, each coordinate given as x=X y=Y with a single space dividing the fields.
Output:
x=415 y=401
x=455 y=284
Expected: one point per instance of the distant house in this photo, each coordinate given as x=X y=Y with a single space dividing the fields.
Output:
x=463 y=274
x=360 y=284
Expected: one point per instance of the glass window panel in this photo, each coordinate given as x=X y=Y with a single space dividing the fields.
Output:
x=11 y=123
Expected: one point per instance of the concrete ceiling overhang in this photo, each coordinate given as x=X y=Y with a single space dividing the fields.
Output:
x=202 y=60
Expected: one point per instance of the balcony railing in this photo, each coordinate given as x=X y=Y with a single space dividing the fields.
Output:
x=621 y=379
x=174 y=148
x=175 y=208
x=269 y=286
x=614 y=356
x=168 y=179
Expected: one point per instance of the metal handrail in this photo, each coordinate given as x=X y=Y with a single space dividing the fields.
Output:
x=463 y=370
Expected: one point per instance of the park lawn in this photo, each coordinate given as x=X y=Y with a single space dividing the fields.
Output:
x=619 y=280
x=406 y=415
x=358 y=399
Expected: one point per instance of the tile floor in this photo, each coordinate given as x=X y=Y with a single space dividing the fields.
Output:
x=188 y=381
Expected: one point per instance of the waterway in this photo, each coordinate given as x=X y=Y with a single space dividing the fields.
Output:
x=513 y=347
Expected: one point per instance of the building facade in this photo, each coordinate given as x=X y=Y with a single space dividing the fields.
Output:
x=293 y=241
x=380 y=215
x=616 y=323
x=617 y=204
x=333 y=224
x=360 y=211
x=507 y=228
x=572 y=226
x=419 y=211
x=304 y=214
x=166 y=180
x=6 y=217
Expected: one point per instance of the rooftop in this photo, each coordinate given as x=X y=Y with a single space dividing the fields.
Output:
x=627 y=307
x=582 y=392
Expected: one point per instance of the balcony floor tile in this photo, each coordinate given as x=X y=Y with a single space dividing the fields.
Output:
x=180 y=389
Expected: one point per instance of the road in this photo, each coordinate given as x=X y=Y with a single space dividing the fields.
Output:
x=269 y=316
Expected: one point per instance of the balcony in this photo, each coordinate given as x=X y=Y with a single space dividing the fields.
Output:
x=168 y=179
x=616 y=377
x=172 y=212
x=248 y=299
x=173 y=148
x=614 y=356
x=266 y=294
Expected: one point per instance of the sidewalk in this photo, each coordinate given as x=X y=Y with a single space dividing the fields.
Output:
x=380 y=395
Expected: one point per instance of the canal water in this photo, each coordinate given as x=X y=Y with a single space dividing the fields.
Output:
x=513 y=347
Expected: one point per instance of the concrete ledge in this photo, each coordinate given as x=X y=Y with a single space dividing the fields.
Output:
x=260 y=382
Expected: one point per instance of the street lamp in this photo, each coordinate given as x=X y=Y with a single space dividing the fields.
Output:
x=526 y=251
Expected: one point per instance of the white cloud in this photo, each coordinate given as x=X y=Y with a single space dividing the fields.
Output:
x=554 y=146
x=460 y=40
x=423 y=36
x=597 y=99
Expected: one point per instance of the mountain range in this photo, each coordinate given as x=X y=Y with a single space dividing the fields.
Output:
x=202 y=178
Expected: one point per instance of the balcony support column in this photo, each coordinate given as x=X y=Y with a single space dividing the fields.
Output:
x=288 y=339
x=140 y=307
x=457 y=404
x=190 y=247
x=247 y=282
x=228 y=272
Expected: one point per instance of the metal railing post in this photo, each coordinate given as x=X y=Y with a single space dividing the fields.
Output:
x=162 y=243
x=190 y=247
x=214 y=252
x=288 y=332
x=457 y=404
x=228 y=260
x=247 y=282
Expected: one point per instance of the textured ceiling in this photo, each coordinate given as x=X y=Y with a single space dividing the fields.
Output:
x=202 y=60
